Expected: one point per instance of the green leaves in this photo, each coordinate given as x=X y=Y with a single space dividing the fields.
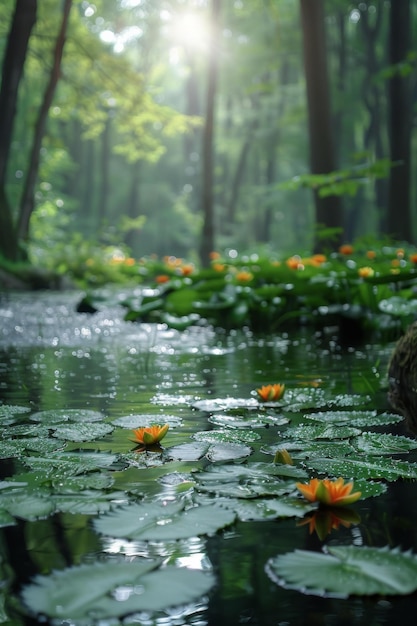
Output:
x=345 y=571
x=114 y=589
x=163 y=521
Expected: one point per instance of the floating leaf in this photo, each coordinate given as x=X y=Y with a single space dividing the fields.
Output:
x=70 y=464
x=229 y=436
x=357 y=419
x=302 y=449
x=9 y=413
x=57 y=416
x=322 y=431
x=270 y=508
x=346 y=571
x=88 y=502
x=83 y=432
x=223 y=404
x=116 y=589
x=365 y=467
x=213 y=452
x=137 y=421
x=349 y=400
x=30 y=506
x=252 y=420
x=383 y=443
x=159 y=522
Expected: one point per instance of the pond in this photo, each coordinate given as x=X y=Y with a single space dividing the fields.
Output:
x=73 y=387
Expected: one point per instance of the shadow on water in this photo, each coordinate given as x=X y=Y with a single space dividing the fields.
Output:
x=53 y=358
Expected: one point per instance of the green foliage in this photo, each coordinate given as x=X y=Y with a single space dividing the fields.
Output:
x=114 y=589
x=346 y=570
x=350 y=288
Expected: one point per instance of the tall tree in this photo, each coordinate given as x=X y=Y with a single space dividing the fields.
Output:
x=23 y=21
x=322 y=157
x=207 y=201
x=400 y=122
x=28 y=197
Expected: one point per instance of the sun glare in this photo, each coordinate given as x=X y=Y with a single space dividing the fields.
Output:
x=190 y=30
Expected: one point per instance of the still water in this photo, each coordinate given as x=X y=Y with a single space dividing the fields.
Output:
x=52 y=358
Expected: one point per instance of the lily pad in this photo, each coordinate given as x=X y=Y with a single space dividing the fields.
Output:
x=162 y=522
x=83 y=432
x=229 y=436
x=302 y=449
x=103 y=590
x=322 y=431
x=365 y=467
x=357 y=419
x=383 y=443
x=223 y=404
x=213 y=452
x=57 y=416
x=346 y=571
x=9 y=413
x=139 y=421
x=252 y=420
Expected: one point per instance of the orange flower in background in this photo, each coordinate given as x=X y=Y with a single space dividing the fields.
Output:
x=366 y=272
x=162 y=278
x=244 y=276
x=219 y=267
x=413 y=258
x=214 y=255
x=371 y=254
x=400 y=253
x=150 y=435
x=271 y=393
x=317 y=260
x=294 y=263
x=346 y=249
x=129 y=262
x=329 y=492
x=323 y=521
x=186 y=270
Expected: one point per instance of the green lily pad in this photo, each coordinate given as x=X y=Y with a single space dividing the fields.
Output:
x=249 y=421
x=88 y=502
x=321 y=431
x=357 y=419
x=116 y=589
x=143 y=421
x=345 y=571
x=213 y=452
x=9 y=413
x=228 y=436
x=57 y=416
x=158 y=522
x=83 y=432
x=301 y=449
x=365 y=467
x=383 y=443
x=270 y=508
x=28 y=506
x=224 y=404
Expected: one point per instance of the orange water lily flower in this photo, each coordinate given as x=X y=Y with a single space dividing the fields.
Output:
x=329 y=492
x=150 y=435
x=271 y=393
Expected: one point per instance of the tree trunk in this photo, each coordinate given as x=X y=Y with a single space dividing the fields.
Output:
x=400 y=118
x=329 y=209
x=28 y=198
x=207 y=237
x=24 y=18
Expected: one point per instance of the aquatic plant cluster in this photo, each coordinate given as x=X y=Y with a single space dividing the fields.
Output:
x=372 y=290
x=325 y=459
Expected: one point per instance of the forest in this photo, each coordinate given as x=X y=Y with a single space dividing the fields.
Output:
x=152 y=128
